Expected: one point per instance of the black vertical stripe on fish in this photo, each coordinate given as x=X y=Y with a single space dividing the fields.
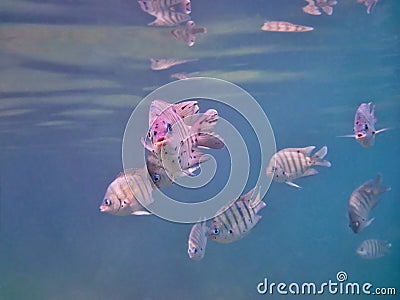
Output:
x=240 y=217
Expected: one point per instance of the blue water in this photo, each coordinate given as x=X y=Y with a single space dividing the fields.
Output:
x=72 y=73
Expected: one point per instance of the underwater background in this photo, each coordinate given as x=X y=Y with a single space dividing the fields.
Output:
x=73 y=71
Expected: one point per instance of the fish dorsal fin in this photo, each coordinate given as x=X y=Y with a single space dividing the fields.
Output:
x=256 y=199
x=186 y=108
x=156 y=108
x=252 y=197
x=307 y=150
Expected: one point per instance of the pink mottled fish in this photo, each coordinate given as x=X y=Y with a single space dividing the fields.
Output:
x=176 y=131
x=158 y=64
x=280 y=26
x=188 y=33
x=370 y=4
x=364 y=125
x=167 y=12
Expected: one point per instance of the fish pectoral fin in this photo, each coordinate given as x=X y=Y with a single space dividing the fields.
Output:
x=347 y=136
x=141 y=213
x=381 y=130
x=293 y=184
x=310 y=172
x=148 y=146
x=366 y=224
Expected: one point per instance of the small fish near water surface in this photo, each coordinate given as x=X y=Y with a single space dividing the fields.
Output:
x=364 y=125
x=158 y=64
x=281 y=26
x=168 y=13
x=188 y=33
x=291 y=163
x=362 y=201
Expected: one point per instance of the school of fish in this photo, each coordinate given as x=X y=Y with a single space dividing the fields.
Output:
x=176 y=132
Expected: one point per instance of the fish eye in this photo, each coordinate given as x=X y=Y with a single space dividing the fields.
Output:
x=149 y=134
x=357 y=224
x=216 y=231
x=156 y=178
x=195 y=250
x=107 y=202
x=365 y=126
x=169 y=127
x=361 y=249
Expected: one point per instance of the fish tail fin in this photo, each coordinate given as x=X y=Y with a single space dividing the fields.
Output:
x=318 y=157
x=378 y=187
x=202 y=129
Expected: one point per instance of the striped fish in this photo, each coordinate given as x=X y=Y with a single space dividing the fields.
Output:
x=167 y=12
x=292 y=163
x=236 y=222
x=158 y=64
x=188 y=33
x=280 y=26
x=198 y=241
x=123 y=194
x=373 y=248
x=362 y=201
